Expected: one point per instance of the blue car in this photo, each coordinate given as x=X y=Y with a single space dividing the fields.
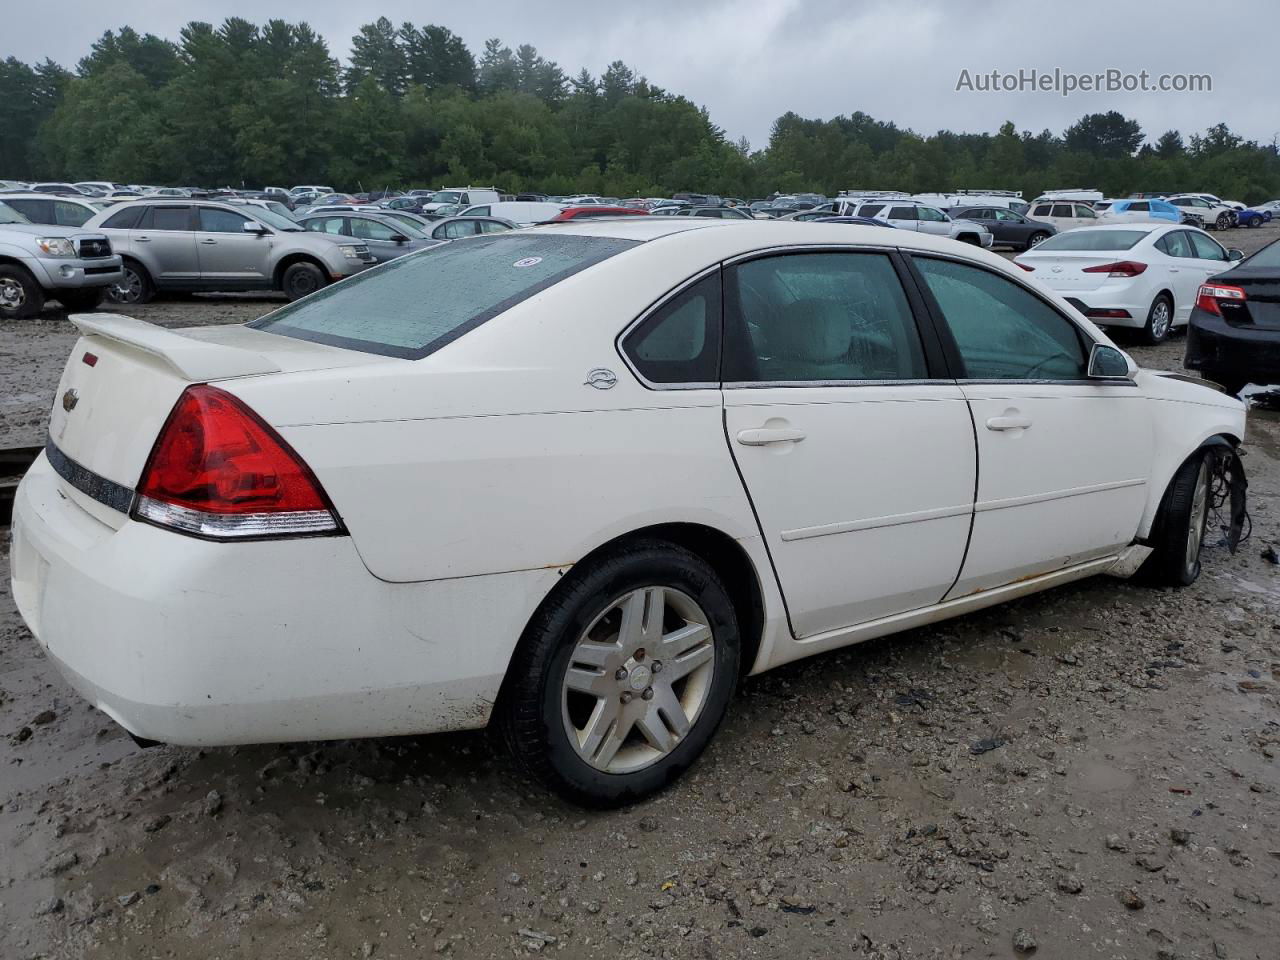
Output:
x=1253 y=217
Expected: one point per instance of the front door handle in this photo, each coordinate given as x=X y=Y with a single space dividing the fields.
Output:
x=764 y=435
x=143 y=239
x=1008 y=423
x=208 y=240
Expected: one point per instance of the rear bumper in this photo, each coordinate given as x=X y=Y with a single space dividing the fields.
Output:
x=190 y=642
x=1215 y=346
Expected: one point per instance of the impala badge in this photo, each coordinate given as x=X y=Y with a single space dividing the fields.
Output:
x=601 y=378
x=70 y=399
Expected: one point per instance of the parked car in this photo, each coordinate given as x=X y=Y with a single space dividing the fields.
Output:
x=212 y=245
x=716 y=213
x=523 y=212
x=97 y=188
x=175 y=193
x=908 y=215
x=456 y=228
x=60 y=189
x=40 y=262
x=858 y=221
x=386 y=239
x=1006 y=226
x=596 y=212
x=1234 y=334
x=462 y=197
x=1138 y=211
x=1063 y=214
x=467 y=487
x=311 y=188
x=1214 y=216
x=46 y=208
x=1130 y=275
x=1253 y=217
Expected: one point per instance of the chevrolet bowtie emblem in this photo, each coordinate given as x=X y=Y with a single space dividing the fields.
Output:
x=70 y=399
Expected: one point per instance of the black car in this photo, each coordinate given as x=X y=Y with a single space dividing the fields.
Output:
x=1233 y=337
x=1006 y=226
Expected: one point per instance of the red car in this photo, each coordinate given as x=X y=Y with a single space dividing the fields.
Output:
x=579 y=213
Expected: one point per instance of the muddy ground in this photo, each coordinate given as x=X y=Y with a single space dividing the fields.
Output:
x=1092 y=771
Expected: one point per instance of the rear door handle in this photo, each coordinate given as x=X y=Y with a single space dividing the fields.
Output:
x=143 y=239
x=763 y=435
x=208 y=240
x=1008 y=423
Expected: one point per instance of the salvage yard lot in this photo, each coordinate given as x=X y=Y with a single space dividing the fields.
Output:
x=1094 y=767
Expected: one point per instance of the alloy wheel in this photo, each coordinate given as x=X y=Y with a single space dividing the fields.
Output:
x=12 y=296
x=1160 y=319
x=1199 y=516
x=129 y=289
x=637 y=679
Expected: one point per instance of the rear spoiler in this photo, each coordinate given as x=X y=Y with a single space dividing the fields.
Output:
x=196 y=360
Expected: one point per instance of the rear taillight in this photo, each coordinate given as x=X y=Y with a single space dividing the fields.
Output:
x=217 y=470
x=1210 y=293
x=1121 y=268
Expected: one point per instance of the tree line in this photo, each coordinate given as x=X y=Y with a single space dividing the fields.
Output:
x=247 y=105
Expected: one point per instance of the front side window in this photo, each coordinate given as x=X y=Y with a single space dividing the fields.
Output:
x=455 y=230
x=870 y=209
x=819 y=317
x=1086 y=212
x=1002 y=331
x=216 y=220
x=371 y=230
x=1141 y=206
x=1062 y=210
x=929 y=213
x=680 y=341
x=1207 y=248
x=333 y=225
x=416 y=305
x=1008 y=217
x=70 y=214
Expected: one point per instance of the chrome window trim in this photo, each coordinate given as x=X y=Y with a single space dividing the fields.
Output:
x=765 y=384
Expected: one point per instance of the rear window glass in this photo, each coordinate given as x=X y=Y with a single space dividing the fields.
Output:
x=417 y=304
x=1268 y=256
x=1093 y=240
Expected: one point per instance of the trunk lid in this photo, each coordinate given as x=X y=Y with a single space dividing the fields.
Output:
x=1064 y=272
x=124 y=376
x=1261 y=288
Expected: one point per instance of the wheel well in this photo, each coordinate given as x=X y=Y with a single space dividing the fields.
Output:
x=730 y=562
x=15 y=262
x=1168 y=293
x=968 y=238
x=285 y=263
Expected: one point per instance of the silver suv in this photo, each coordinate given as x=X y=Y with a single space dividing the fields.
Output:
x=198 y=245
x=42 y=261
x=910 y=215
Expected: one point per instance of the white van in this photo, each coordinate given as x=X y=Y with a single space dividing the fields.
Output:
x=463 y=196
x=523 y=212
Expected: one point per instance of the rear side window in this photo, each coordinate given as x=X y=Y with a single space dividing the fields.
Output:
x=680 y=341
x=1042 y=211
x=819 y=317
x=415 y=305
x=870 y=209
x=1002 y=331
x=170 y=218
x=1062 y=210
x=902 y=213
x=125 y=219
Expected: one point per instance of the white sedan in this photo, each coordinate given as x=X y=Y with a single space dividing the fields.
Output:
x=578 y=480
x=1130 y=275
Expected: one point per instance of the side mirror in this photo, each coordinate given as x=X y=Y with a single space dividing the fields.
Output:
x=1234 y=254
x=1108 y=363
x=400 y=238
x=255 y=228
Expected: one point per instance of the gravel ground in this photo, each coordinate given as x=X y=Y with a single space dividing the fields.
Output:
x=1091 y=772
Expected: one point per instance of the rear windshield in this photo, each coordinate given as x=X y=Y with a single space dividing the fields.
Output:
x=1093 y=240
x=1268 y=256
x=414 y=305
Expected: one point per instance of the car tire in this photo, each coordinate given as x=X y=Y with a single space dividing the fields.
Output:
x=1036 y=239
x=1159 y=320
x=83 y=299
x=301 y=280
x=1180 y=525
x=134 y=287
x=20 y=296
x=578 y=710
x=1223 y=222
x=1255 y=222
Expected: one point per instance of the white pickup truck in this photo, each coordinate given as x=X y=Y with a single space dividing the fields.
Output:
x=41 y=262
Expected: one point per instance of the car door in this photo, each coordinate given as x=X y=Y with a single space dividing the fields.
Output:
x=380 y=237
x=856 y=451
x=1062 y=460
x=1210 y=258
x=165 y=241
x=226 y=253
x=1009 y=227
x=901 y=216
x=1183 y=271
x=934 y=221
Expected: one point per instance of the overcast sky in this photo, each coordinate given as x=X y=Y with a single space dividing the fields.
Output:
x=748 y=61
